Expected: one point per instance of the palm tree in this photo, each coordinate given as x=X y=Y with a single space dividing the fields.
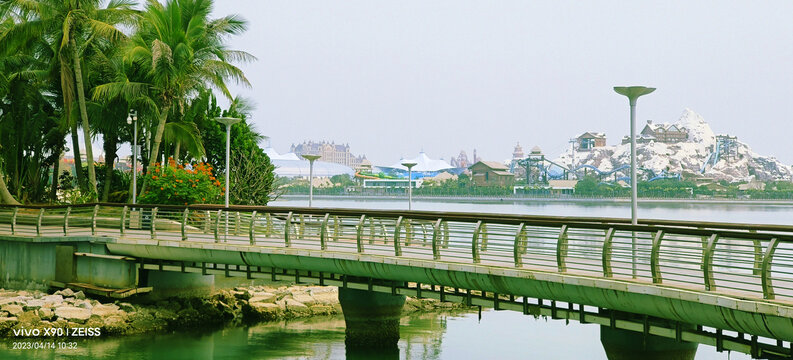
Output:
x=184 y=50
x=65 y=23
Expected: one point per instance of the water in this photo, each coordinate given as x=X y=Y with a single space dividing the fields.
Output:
x=669 y=210
x=499 y=334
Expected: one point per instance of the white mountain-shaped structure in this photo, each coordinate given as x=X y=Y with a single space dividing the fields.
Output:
x=703 y=154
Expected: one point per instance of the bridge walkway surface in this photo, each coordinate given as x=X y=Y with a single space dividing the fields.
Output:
x=736 y=277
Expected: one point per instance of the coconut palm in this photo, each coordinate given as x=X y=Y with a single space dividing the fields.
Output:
x=71 y=25
x=184 y=50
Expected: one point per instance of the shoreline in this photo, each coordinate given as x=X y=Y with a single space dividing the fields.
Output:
x=490 y=199
x=26 y=314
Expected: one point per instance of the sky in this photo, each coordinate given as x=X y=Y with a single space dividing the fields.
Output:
x=392 y=78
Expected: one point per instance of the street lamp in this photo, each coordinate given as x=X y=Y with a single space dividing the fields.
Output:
x=410 y=166
x=633 y=93
x=132 y=119
x=311 y=159
x=228 y=121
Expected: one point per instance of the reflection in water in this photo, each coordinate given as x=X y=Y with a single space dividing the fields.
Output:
x=499 y=334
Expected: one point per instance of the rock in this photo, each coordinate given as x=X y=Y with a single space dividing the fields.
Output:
x=6 y=293
x=115 y=325
x=10 y=300
x=28 y=319
x=326 y=298
x=79 y=295
x=266 y=311
x=85 y=304
x=52 y=300
x=12 y=309
x=33 y=304
x=322 y=310
x=75 y=314
x=65 y=292
x=305 y=299
x=127 y=307
x=46 y=314
x=6 y=323
x=296 y=308
x=105 y=310
x=242 y=295
x=3 y=314
x=263 y=297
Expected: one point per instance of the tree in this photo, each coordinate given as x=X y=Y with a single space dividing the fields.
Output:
x=183 y=51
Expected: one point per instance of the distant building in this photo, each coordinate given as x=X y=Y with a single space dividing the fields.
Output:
x=590 y=140
x=664 y=133
x=330 y=152
x=461 y=161
x=491 y=173
x=517 y=153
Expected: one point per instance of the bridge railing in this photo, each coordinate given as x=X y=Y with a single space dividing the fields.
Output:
x=753 y=261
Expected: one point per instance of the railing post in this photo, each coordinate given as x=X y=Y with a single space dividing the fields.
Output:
x=184 y=224
x=14 y=221
x=237 y=221
x=608 y=246
x=561 y=249
x=66 y=220
x=154 y=223
x=445 y=234
x=371 y=230
x=268 y=229
x=217 y=225
x=335 y=228
x=93 y=219
x=758 y=255
x=359 y=233
x=286 y=229
x=207 y=221
x=707 y=270
x=483 y=235
x=765 y=277
x=301 y=228
x=323 y=232
x=655 y=254
x=408 y=232
x=124 y=211
x=436 y=233
x=38 y=222
x=475 y=243
x=252 y=228
x=397 y=248
x=518 y=245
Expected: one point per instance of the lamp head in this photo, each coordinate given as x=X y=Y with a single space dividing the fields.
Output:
x=311 y=157
x=409 y=165
x=228 y=121
x=633 y=92
x=129 y=119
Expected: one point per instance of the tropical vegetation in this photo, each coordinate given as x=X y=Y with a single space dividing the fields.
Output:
x=77 y=69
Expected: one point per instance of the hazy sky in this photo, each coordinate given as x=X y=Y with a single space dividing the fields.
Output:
x=394 y=77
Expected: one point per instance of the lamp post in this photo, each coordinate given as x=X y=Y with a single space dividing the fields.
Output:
x=132 y=119
x=311 y=159
x=410 y=166
x=228 y=121
x=633 y=93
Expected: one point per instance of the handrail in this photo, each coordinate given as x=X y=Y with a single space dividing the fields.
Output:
x=716 y=257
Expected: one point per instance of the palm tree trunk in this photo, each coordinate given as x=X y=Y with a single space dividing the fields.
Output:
x=110 y=158
x=5 y=196
x=78 y=162
x=89 y=153
x=156 y=146
x=176 y=151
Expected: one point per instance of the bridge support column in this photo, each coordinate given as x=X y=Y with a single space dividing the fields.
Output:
x=372 y=320
x=176 y=284
x=625 y=344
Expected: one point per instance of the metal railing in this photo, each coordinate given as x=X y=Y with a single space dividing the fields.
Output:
x=744 y=260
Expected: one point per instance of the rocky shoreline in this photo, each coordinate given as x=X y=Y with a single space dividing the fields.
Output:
x=22 y=312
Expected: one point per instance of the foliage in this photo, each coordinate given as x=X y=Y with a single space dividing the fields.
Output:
x=177 y=185
x=251 y=178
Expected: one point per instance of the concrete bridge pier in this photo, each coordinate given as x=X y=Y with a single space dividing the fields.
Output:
x=372 y=321
x=175 y=284
x=625 y=344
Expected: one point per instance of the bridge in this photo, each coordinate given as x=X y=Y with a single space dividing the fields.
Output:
x=659 y=284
